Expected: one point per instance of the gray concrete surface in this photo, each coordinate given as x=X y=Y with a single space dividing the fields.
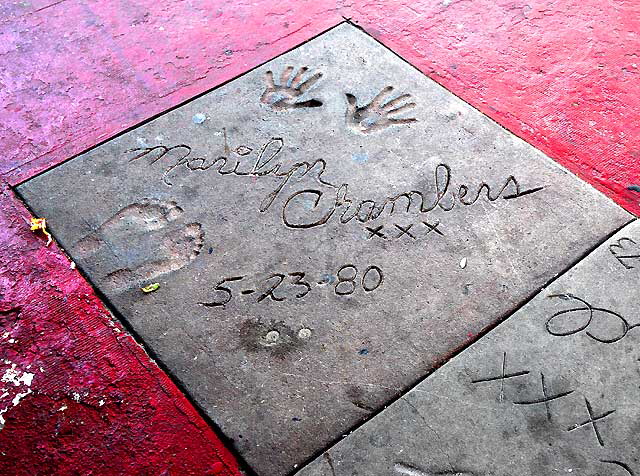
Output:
x=554 y=390
x=321 y=240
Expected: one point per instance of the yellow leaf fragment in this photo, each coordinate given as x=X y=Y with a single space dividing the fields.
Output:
x=150 y=288
x=41 y=224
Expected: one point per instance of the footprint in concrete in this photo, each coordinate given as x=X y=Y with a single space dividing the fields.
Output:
x=144 y=240
x=146 y=215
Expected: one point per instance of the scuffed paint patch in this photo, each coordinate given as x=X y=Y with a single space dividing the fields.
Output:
x=12 y=375
x=13 y=390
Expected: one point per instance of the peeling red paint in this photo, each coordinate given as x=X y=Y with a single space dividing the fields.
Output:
x=561 y=74
x=97 y=403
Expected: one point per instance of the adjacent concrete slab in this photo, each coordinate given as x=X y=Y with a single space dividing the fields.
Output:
x=324 y=231
x=554 y=390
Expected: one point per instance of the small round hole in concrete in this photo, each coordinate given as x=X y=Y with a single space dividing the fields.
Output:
x=271 y=338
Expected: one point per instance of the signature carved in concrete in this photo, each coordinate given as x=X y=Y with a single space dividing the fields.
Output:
x=626 y=251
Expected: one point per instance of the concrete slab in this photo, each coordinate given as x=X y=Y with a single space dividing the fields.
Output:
x=322 y=237
x=553 y=390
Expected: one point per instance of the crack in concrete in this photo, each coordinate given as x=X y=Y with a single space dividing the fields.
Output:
x=424 y=420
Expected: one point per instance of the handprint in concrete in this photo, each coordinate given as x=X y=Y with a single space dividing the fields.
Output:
x=287 y=94
x=380 y=113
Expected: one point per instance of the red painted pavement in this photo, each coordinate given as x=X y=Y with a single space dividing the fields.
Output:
x=561 y=74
